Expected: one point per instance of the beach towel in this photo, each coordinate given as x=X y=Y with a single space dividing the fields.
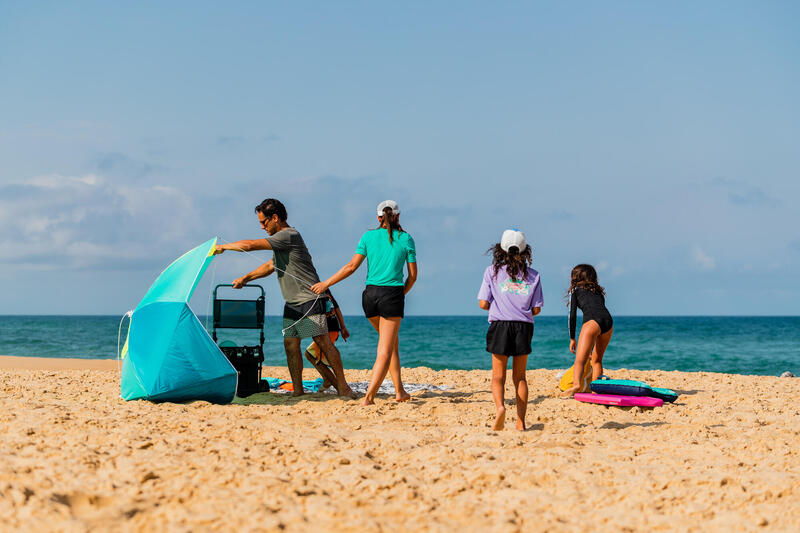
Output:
x=281 y=385
x=387 y=387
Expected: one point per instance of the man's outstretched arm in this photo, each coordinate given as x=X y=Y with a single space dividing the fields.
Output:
x=261 y=272
x=243 y=246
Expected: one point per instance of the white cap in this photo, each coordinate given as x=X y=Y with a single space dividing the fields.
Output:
x=511 y=238
x=390 y=204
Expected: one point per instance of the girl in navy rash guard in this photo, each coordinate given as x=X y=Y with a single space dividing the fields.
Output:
x=598 y=326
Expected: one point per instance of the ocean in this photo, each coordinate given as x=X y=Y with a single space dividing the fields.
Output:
x=737 y=345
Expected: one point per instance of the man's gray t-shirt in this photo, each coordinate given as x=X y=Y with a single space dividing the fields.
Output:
x=291 y=255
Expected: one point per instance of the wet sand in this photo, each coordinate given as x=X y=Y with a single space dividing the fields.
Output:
x=77 y=458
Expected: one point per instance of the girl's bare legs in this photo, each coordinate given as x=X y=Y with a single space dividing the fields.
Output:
x=586 y=340
x=499 y=364
x=518 y=365
x=387 y=334
x=597 y=354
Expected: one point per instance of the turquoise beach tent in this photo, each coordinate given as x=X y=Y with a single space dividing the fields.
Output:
x=169 y=356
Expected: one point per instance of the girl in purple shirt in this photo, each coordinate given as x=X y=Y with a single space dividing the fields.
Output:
x=512 y=293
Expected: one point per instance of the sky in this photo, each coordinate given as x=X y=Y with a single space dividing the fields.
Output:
x=657 y=141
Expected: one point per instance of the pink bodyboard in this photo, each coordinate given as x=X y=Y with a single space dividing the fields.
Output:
x=621 y=401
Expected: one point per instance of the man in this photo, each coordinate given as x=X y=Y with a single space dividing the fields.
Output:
x=304 y=311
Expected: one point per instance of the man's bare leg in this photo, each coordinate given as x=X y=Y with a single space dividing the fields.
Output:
x=294 y=360
x=324 y=343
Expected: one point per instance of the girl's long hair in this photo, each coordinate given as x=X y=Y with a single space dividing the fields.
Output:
x=585 y=277
x=516 y=262
x=390 y=221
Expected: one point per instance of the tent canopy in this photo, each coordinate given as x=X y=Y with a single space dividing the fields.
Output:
x=169 y=356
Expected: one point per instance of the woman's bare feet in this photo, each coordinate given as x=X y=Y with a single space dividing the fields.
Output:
x=402 y=396
x=368 y=400
x=521 y=425
x=500 y=421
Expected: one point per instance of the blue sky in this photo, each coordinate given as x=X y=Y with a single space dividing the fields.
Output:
x=657 y=141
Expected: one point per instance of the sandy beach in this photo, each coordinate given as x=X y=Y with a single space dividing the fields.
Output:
x=77 y=458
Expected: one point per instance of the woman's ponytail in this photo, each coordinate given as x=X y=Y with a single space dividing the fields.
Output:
x=390 y=221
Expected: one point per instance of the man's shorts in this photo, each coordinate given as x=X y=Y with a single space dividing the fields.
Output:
x=310 y=326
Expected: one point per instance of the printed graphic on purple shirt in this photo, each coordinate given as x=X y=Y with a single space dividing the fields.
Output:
x=511 y=299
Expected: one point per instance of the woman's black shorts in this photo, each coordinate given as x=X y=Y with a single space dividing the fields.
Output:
x=384 y=301
x=507 y=337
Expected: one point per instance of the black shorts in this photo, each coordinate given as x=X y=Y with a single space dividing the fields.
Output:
x=384 y=301
x=507 y=337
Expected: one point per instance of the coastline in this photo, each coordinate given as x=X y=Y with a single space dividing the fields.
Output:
x=76 y=457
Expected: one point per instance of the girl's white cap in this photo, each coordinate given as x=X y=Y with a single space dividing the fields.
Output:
x=391 y=204
x=513 y=238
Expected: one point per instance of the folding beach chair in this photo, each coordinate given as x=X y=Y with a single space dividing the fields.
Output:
x=242 y=314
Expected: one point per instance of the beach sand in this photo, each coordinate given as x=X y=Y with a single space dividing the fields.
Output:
x=77 y=458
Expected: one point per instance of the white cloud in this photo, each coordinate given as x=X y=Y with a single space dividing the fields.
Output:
x=701 y=259
x=88 y=221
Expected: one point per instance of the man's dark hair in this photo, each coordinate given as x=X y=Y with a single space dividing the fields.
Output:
x=270 y=207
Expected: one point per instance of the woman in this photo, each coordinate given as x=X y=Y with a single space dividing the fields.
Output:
x=386 y=250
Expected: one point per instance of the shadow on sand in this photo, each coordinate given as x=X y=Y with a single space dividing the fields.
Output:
x=618 y=425
x=271 y=398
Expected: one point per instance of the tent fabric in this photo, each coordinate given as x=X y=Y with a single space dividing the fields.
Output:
x=170 y=356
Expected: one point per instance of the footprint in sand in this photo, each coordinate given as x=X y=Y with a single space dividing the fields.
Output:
x=82 y=505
